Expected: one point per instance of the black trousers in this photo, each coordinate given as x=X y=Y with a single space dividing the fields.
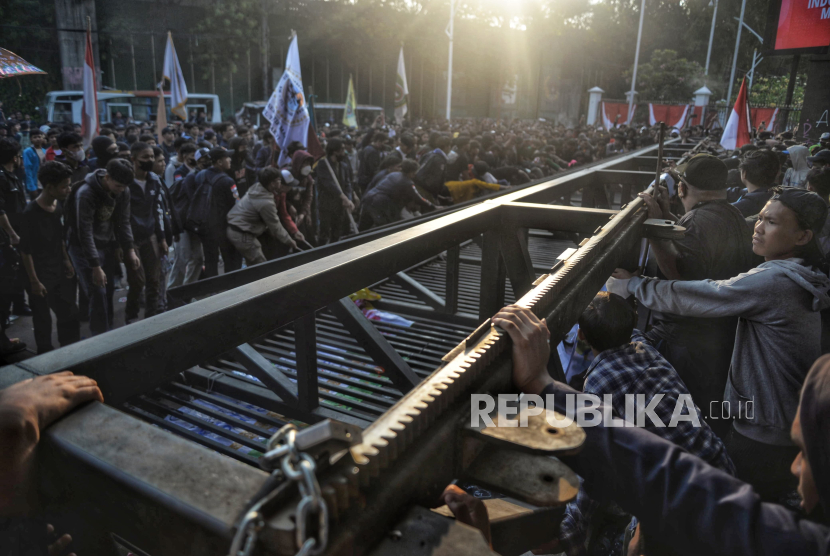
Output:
x=213 y=244
x=333 y=221
x=60 y=298
x=764 y=466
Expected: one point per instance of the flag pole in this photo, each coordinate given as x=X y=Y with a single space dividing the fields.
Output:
x=450 y=32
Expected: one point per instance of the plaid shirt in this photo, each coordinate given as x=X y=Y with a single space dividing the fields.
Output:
x=638 y=368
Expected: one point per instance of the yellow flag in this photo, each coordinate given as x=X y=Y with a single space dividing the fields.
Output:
x=350 y=114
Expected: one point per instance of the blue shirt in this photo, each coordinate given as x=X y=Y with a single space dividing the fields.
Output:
x=638 y=368
x=31 y=163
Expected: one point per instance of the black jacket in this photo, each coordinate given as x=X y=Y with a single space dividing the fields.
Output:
x=392 y=195
x=326 y=186
x=431 y=173
x=12 y=197
x=146 y=211
x=96 y=220
x=369 y=164
x=682 y=502
x=223 y=197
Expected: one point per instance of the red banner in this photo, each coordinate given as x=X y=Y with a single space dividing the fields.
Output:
x=763 y=119
x=803 y=24
x=615 y=112
x=671 y=115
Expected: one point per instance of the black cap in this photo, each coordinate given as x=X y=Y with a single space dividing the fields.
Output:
x=809 y=208
x=218 y=153
x=704 y=171
x=821 y=156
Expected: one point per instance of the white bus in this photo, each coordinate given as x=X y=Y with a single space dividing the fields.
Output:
x=139 y=106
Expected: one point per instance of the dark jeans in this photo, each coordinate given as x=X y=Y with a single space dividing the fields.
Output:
x=60 y=298
x=146 y=278
x=100 y=299
x=333 y=221
x=764 y=466
x=213 y=245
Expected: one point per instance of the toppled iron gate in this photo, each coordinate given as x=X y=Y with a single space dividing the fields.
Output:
x=106 y=474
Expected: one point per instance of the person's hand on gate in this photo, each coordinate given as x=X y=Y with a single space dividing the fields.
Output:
x=133 y=260
x=531 y=347
x=623 y=274
x=299 y=236
x=99 y=278
x=468 y=509
x=26 y=409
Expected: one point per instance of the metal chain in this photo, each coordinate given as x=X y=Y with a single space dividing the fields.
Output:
x=283 y=457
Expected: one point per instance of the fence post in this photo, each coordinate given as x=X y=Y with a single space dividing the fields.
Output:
x=594 y=100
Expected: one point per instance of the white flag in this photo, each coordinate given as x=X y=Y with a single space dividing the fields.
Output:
x=173 y=74
x=89 y=112
x=286 y=109
x=401 y=91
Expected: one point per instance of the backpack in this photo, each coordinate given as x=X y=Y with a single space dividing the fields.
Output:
x=198 y=213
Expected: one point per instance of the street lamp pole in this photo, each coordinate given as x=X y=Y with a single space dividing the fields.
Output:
x=449 y=32
x=636 y=62
x=735 y=55
x=711 y=39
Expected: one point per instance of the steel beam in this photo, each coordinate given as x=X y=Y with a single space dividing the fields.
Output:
x=451 y=279
x=104 y=472
x=493 y=274
x=514 y=252
x=421 y=291
x=305 y=346
x=554 y=217
x=267 y=373
x=624 y=177
x=371 y=340
x=135 y=359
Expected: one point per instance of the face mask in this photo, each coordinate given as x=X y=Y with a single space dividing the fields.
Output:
x=306 y=170
x=79 y=155
x=146 y=165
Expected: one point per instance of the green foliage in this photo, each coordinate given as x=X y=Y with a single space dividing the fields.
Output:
x=667 y=77
x=24 y=34
x=238 y=25
x=772 y=90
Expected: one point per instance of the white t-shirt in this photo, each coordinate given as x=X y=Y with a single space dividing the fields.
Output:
x=142 y=184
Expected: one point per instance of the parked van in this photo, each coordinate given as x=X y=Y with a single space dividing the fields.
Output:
x=66 y=106
x=324 y=111
x=140 y=106
x=145 y=105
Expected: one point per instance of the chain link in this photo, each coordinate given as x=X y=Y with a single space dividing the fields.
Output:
x=283 y=457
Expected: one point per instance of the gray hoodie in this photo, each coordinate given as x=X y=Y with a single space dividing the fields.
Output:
x=257 y=213
x=797 y=175
x=777 y=340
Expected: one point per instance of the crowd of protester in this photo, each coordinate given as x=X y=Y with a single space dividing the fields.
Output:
x=734 y=313
x=159 y=211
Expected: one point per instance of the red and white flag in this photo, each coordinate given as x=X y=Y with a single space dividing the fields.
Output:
x=89 y=112
x=736 y=134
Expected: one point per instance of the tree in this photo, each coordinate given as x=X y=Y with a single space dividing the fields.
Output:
x=28 y=32
x=667 y=77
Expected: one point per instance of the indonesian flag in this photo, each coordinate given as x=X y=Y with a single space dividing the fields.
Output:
x=737 y=130
x=89 y=112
